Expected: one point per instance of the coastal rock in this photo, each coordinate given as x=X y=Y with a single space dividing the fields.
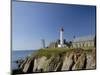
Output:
x=80 y=63
x=24 y=62
x=28 y=65
x=91 y=63
x=72 y=60
x=68 y=62
x=38 y=64
x=55 y=63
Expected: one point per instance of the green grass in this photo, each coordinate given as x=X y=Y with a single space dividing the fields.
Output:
x=48 y=52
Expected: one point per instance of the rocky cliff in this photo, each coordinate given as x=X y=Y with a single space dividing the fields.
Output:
x=76 y=59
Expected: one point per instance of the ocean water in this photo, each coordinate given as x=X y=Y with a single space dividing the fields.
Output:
x=22 y=54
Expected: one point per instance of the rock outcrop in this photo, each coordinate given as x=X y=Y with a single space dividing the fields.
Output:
x=69 y=60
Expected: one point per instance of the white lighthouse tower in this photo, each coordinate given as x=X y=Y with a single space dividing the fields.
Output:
x=61 y=38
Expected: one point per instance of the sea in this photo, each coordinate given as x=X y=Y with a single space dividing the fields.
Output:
x=20 y=54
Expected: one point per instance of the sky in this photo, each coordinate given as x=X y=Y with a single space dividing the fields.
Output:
x=32 y=22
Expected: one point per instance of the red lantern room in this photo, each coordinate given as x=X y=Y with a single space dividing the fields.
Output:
x=62 y=29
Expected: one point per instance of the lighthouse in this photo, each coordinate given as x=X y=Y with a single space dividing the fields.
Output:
x=61 y=38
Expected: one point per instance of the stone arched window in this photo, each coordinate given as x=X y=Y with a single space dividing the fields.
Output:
x=86 y=44
x=79 y=44
x=83 y=44
x=76 y=45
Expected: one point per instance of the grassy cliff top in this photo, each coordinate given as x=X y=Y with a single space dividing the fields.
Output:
x=48 y=52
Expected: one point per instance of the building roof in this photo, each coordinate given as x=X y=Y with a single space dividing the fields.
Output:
x=84 y=38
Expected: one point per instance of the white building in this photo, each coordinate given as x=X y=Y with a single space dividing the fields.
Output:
x=61 y=38
x=86 y=41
